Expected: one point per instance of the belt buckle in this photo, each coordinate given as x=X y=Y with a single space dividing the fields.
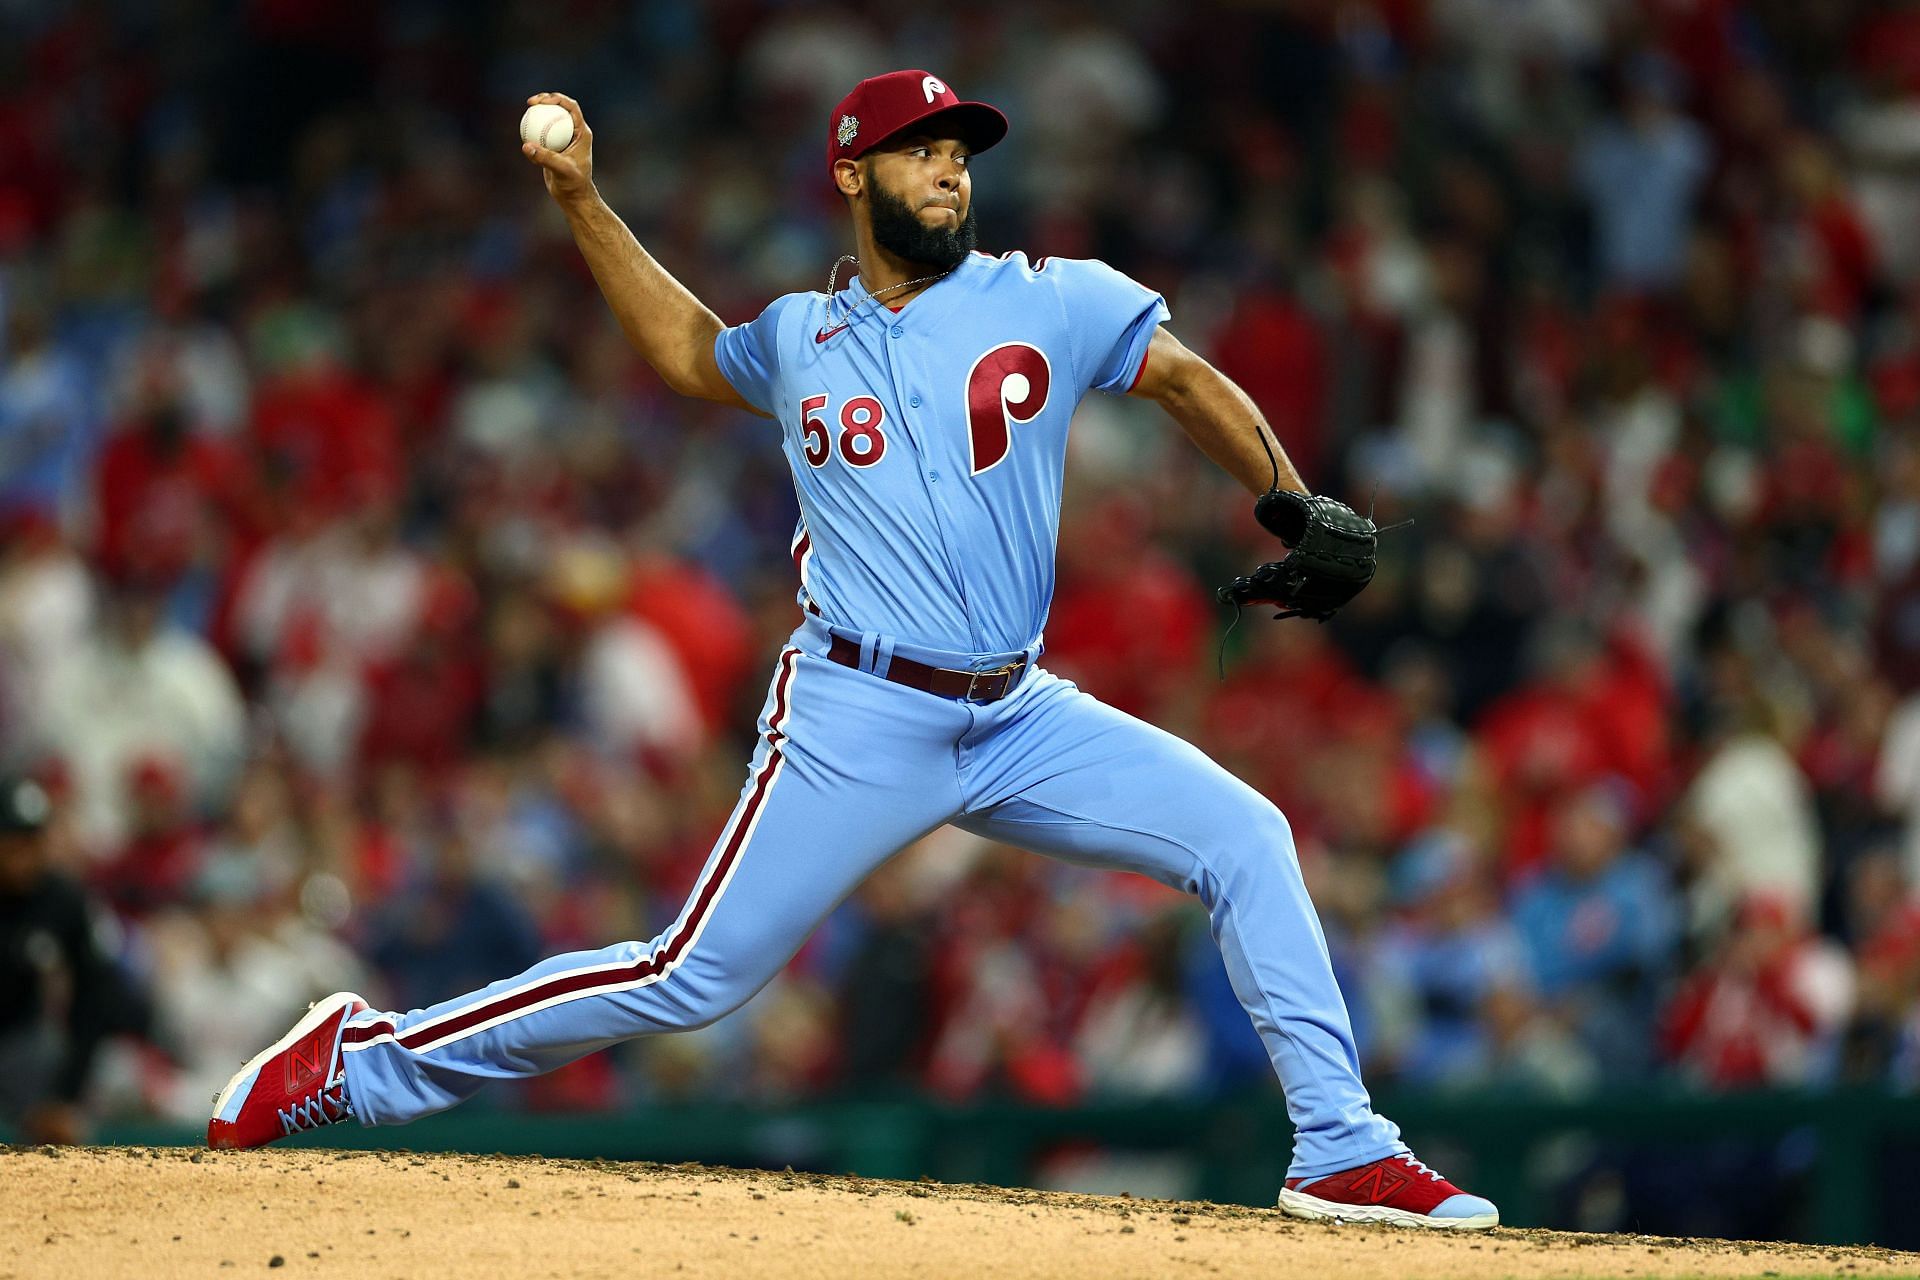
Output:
x=976 y=677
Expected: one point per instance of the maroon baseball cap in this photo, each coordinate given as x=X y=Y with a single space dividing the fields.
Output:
x=882 y=106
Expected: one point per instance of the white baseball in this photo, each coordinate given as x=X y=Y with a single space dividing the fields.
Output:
x=547 y=124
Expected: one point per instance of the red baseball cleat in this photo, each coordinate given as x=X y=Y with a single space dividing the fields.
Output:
x=1397 y=1190
x=297 y=1084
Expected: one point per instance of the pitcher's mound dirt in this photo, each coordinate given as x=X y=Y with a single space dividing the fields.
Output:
x=161 y=1212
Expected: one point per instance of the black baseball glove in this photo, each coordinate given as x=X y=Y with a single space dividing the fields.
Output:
x=1332 y=557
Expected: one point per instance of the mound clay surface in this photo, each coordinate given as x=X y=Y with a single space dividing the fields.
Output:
x=162 y=1212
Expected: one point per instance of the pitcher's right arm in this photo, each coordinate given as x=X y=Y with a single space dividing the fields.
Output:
x=671 y=329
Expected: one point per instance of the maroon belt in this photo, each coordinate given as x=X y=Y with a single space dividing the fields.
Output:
x=974 y=686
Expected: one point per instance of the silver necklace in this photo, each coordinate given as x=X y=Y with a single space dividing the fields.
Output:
x=833 y=286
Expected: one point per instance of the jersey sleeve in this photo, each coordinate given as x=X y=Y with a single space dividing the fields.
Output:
x=749 y=357
x=1110 y=320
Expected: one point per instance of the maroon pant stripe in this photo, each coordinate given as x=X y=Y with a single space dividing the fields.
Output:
x=567 y=984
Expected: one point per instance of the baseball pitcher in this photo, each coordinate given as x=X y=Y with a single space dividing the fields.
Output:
x=923 y=410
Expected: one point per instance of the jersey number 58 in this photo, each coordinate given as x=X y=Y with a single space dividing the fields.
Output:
x=862 y=443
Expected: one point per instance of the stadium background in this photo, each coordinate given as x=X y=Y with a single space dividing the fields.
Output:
x=377 y=620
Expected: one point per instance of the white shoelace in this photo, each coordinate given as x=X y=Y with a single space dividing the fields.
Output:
x=329 y=1106
x=1415 y=1164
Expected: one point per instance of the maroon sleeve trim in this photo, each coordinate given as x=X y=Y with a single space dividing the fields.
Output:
x=1141 y=371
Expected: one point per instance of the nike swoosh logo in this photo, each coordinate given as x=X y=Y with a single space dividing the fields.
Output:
x=824 y=334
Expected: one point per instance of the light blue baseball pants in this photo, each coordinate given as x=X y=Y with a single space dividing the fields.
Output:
x=848 y=769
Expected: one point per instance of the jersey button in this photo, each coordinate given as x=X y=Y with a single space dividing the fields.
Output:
x=898 y=331
x=913 y=402
x=934 y=476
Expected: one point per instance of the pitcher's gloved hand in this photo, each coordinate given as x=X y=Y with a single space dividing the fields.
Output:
x=1333 y=556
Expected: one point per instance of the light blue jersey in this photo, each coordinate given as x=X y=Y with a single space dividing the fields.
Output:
x=928 y=445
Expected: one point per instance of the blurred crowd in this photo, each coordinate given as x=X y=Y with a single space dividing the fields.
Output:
x=371 y=617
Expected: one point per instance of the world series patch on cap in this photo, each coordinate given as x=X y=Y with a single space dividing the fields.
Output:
x=882 y=106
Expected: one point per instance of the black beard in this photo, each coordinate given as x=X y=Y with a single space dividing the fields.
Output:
x=897 y=229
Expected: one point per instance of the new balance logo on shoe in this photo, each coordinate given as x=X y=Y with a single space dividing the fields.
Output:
x=1377 y=1184
x=305 y=1061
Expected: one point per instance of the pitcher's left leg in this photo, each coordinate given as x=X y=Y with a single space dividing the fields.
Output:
x=1056 y=771
x=1063 y=774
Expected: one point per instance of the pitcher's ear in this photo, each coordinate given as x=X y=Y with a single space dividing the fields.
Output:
x=849 y=178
